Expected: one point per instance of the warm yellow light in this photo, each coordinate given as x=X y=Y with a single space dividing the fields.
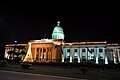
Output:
x=112 y=44
x=85 y=43
x=28 y=57
x=58 y=44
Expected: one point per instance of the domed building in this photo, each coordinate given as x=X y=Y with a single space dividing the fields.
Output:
x=46 y=50
x=58 y=51
x=58 y=32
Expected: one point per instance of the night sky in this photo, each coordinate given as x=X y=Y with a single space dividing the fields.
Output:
x=24 y=23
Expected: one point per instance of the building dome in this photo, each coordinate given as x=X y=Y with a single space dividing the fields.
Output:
x=58 y=32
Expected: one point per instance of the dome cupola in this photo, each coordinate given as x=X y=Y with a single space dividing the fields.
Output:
x=58 y=32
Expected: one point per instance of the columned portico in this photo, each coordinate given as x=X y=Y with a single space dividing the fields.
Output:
x=44 y=51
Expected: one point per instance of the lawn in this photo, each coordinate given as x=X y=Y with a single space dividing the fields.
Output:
x=92 y=74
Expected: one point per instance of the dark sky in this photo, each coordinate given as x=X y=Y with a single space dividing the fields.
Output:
x=23 y=23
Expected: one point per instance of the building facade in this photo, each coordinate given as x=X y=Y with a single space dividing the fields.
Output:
x=57 y=51
x=15 y=52
x=44 y=50
x=85 y=51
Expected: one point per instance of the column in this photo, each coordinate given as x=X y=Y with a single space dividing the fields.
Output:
x=118 y=55
x=81 y=53
x=71 y=53
x=35 y=53
x=42 y=54
x=86 y=53
x=28 y=57
x=96 y=55
x=39 y=54
x=63 y=54
x=114 y=56
x=105 y=56
x=45 y=54
x=78 y=55
x=47 y=57
x=50 y=54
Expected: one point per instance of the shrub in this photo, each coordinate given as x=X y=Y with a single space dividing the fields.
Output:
x=3 y=63
x=25 y=65
x=84 y=69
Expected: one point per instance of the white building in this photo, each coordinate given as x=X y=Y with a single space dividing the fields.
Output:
x=85 y=51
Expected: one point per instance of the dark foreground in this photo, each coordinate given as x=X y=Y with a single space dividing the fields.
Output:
x=67 y=73
x=10 y=75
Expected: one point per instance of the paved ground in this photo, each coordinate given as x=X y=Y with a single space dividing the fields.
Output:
x=10 y=75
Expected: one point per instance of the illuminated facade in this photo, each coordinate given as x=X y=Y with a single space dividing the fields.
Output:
x=57 y=51
x=44 y=50
x=15 y=52
x=113 y=53
x=85 y=51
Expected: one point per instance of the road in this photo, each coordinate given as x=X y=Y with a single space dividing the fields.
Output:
x=10 y=75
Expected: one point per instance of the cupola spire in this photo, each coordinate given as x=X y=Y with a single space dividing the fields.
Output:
x=58 y=23
x=58 y=32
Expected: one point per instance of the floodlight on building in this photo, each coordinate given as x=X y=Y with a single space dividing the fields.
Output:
x=15 y=41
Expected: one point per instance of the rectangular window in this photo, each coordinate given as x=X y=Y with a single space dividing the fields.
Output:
x=68 y=50
x=92 y=50
x=92 y=57
x=83 y=50
x=100 y=50
x=75 y=50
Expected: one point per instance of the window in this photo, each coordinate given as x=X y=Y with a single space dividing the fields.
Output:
x=92 y=50
x=68 y=50
x=75 y=50
x=100 y=50
x=75 y=56
x=83 y=50
x=92 y=57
